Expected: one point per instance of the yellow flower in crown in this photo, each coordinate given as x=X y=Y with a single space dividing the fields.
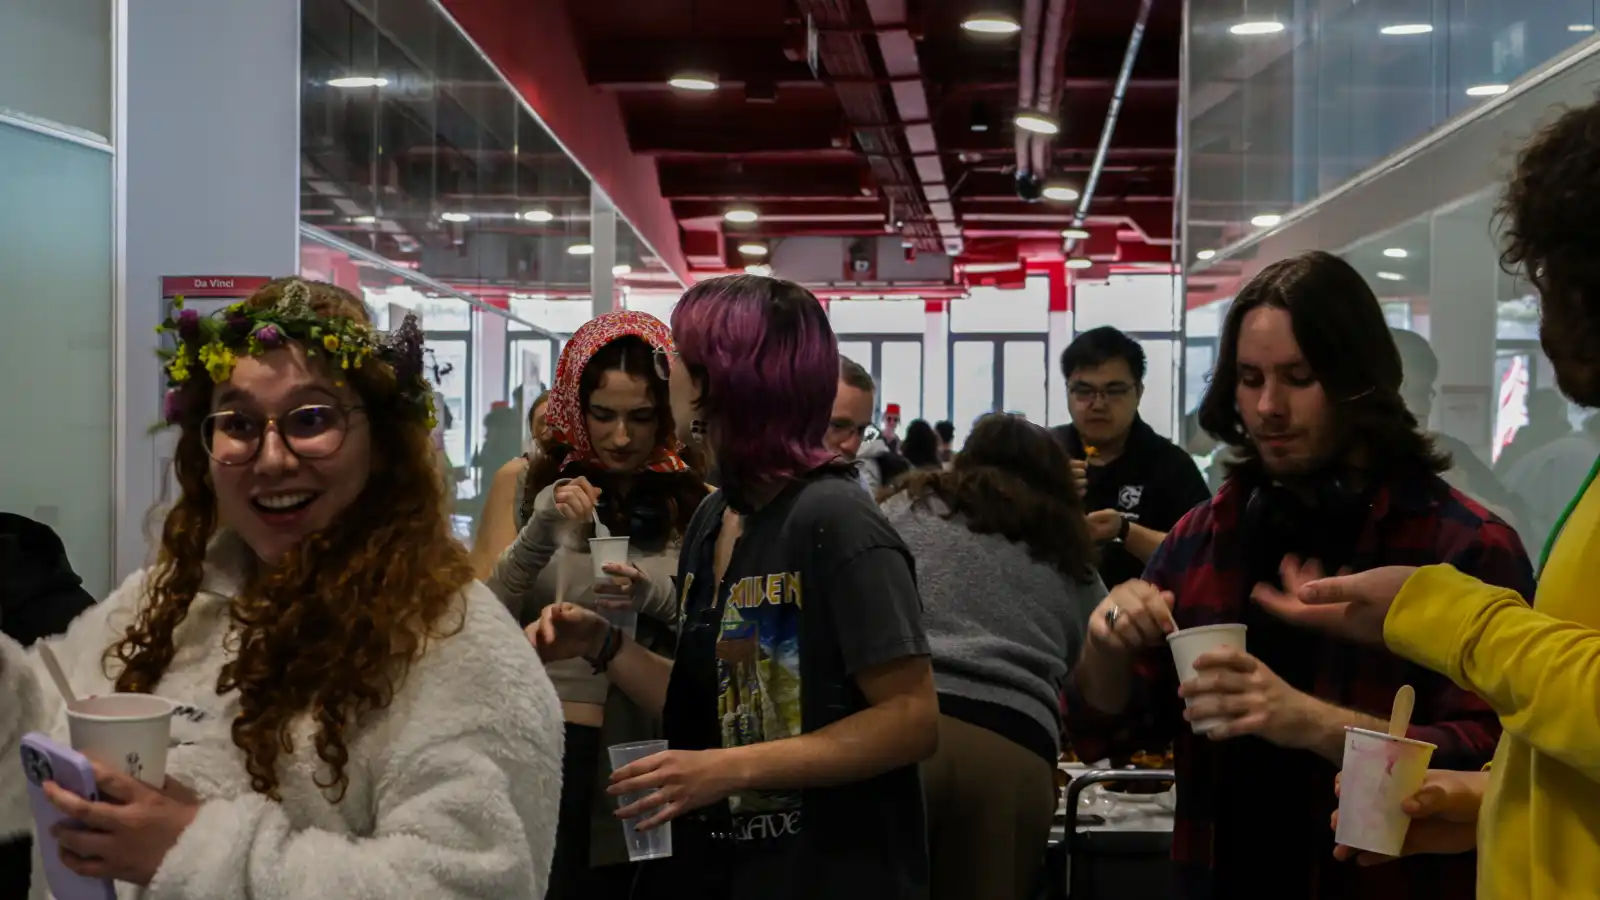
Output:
x=330 y=342
x=178 y=366
x=218 y=360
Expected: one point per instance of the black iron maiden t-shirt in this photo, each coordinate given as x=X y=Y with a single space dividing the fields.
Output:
x=818 y=588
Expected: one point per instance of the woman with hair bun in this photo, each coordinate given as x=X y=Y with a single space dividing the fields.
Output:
x=802 y=697
x=357 y=716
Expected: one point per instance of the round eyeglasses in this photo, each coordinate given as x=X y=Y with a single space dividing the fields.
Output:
x=234 y=438
x=663 y=360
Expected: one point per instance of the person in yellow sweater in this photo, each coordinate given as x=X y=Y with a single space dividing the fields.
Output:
x=1536 y=812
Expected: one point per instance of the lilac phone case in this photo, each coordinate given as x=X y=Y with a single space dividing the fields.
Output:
x=45 y=760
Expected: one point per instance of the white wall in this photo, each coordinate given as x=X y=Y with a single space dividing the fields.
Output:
x=211 y=185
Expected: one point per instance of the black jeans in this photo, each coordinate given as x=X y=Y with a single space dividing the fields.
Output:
x=571 y=876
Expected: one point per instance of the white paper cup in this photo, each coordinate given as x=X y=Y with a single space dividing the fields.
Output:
x=612 y=550
x=1190 y=644
x=125 y=732
x=1380 y=772
x=642 y=845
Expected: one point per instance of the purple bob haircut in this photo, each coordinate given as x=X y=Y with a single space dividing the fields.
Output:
x=767 y=364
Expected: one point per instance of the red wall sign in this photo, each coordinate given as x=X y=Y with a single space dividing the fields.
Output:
x=211 y=285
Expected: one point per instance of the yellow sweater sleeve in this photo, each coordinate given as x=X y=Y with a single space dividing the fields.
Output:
x=1540 y=674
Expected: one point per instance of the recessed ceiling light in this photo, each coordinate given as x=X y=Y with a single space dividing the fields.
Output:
x=364 y=220
x=1075 y=234
x=991 y=23
x=455 y=217
x=539 y=215
x=621 y=269
x=1205 y=254
x=357 y=81
x=740 y=214
x=693 y=81
x=1396 y=253
x=1078 y=262
x=1266 y=220
x=1248 y=29
x=1036 y=122
x=1401 y=30
x=581 y=250
x=1487 y=90
x=1580 y=28
x=758 y=269
x=1062 y=192
x=753 y=249
x=1391 y=276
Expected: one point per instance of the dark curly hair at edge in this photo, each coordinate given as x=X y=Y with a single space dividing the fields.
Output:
x=683 y=491
x=332 y=630
x=1014 y=479
x=1552 y=229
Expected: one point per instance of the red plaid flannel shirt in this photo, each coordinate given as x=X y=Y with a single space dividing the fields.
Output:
x=1415 y=523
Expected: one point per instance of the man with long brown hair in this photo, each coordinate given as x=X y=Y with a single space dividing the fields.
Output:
x=1330 y=465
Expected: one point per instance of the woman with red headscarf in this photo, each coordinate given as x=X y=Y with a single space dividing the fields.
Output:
x=610 y=455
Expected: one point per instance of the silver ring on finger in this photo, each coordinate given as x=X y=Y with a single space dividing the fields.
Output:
x=1112 y=615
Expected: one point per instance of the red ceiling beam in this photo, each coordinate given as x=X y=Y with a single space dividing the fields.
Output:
x=534 y=45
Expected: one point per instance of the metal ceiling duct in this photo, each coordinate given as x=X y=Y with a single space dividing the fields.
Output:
x=1112 y=111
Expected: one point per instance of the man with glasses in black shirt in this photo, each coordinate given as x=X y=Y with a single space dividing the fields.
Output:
x=1136 y=483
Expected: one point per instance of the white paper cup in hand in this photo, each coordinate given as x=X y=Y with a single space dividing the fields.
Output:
x=612 y=550
x=1190 y=644
x=642 y=845
x=1380 y=772
x=128 y=733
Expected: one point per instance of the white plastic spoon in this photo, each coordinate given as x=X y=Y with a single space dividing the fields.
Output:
x=53 y=666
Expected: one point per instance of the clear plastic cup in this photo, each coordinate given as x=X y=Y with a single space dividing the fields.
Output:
x=612 y=550
x=128 y=733
x=642 y=845
x=1190 y=644
x=1380 y=772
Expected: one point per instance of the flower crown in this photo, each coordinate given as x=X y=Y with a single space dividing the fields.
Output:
x=211 y=345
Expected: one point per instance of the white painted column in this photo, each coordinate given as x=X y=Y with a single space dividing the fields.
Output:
x=936 y=360
x=1461 y=326
x=211 y=186
x=603 y=237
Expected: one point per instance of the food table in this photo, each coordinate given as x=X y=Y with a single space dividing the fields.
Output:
x=1112 y=844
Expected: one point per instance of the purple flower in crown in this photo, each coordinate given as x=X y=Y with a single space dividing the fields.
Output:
x=269 y=336
x=172 y=407
x=188 y=324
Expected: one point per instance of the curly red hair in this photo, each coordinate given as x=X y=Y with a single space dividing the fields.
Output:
x=331 y=631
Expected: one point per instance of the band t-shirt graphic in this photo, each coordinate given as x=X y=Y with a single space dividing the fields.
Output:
x=818 y=588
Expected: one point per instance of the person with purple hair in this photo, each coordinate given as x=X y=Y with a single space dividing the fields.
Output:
x=802 y=697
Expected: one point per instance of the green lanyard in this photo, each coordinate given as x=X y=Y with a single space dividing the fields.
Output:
x=1561 y=523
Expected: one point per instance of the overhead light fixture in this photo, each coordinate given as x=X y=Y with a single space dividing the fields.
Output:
x=1075 y=234
x=1396 y=253
x=742 y=215
x=1062 y=192
x=1266 y=220
x=753 y=249
x=1403 y=30
x=365 y=220
x=1580 y=28
x=1391 y=276
x=358 y=81
x=981 y=118
x=1036 y=122
x=581 y=250
x=455 y=217
x=1251 y=29
x=1204 y=255
x=1078 y=262
x=621 y=269
x=758 y=269
x=991 y=24
x=1487 y=90
x=539 y=215
x=694 y=81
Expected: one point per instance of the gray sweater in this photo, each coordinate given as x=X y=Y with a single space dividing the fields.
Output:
x=1005 y=628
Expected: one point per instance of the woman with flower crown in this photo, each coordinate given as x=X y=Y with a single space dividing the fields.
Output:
x=359 y=717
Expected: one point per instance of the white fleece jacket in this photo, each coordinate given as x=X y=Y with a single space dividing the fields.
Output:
x=454 y=788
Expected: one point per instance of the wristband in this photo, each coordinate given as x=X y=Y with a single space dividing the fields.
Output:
x=608 y=651
x=1122 y=533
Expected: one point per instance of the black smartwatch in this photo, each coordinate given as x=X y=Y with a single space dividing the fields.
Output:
x=1122 y=533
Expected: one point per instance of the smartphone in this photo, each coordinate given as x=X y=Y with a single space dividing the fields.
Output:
x=45 y=760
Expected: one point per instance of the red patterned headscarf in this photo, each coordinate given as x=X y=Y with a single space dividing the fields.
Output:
x=565 y=412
